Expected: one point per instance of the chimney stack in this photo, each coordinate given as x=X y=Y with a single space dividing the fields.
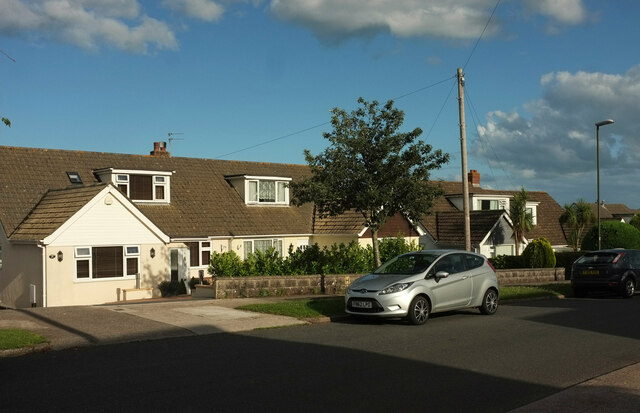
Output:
x=160 y=150
x=474 y=178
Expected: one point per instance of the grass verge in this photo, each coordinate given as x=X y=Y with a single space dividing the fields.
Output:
x=304 y=308
x=328 y=307
x=12 y=338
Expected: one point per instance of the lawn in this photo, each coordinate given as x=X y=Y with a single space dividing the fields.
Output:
x=12 y=338
x=331 y=306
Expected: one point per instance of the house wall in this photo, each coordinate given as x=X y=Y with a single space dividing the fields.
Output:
x=106 y=222
x=64 y=289
x=21 y=267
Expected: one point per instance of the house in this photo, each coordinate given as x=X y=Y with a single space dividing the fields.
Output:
x=88 y=228
x=613 y=212
x=491 y=230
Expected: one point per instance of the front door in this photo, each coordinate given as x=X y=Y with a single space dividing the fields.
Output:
x=179 y=263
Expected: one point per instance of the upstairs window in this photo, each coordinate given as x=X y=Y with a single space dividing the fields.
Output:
x=139 y=185
x=488 y=204
x=74 y=177
x=267 y=192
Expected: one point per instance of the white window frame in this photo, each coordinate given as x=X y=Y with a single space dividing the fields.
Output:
x=83 y=256
x=252 y=243
x=281 y=190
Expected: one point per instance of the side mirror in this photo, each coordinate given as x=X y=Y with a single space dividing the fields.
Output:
x=441 y=274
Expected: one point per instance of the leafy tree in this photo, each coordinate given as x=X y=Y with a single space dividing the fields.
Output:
x=521 y=219
x=578 y=216
x=371 y=168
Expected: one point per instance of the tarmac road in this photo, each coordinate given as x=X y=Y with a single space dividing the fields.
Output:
x=547 y=355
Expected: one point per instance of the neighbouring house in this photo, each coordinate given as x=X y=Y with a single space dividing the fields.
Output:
x=613 y=212
x=491 y=230
x=89 y=228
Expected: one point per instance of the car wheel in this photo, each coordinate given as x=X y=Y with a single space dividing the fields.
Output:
x=628 y=288
x=489 y=302
x=419 y=310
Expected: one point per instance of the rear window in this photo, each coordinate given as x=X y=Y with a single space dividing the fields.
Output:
x=598 y=258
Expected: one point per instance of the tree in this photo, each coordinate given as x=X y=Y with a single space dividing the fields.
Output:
x=521 y=218
x=371 y=168
x=635 y=221
x=578 y=216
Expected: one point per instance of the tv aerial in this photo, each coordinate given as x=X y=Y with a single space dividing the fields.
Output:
x=170 y=138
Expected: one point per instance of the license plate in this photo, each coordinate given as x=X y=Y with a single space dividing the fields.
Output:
x=590 y=272
x=361 y=304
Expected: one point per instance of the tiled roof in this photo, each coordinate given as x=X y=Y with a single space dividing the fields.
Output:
x=611 y=211
x=548 y=211
x=348 y=223
x=450 y=226
x=203 y=203
x=53 y=210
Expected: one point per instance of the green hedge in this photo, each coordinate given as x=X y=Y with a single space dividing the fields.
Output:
x=613 y=234
x=338 y=259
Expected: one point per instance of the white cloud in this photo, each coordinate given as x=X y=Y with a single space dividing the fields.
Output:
x=555 y=135
x=206 y=10
x=87 y=23
x=335 y=20
x=563 y=11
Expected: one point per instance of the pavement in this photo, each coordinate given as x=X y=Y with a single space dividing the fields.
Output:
x=79 y=326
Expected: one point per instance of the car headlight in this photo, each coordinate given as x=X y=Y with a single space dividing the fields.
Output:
x=395 y=288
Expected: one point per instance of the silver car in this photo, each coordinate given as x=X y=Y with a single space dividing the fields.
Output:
x=416 y=284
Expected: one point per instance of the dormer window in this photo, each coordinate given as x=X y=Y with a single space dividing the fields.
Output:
x=267 y=191
x=140 y=186
x=261 y=190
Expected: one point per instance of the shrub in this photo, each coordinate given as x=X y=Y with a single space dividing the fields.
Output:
x=172 y=288
x=507 y=262
x=226 y=264
x=392 y=247
x=613 y=234
x=539 y=254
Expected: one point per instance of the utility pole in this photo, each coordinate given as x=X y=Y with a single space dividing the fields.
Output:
x=463 y=151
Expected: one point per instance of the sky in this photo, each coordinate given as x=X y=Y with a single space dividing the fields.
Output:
x=255 y=80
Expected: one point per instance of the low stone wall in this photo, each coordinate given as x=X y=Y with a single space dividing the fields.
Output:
x=235 y=287
x=530 y=276
x=271 y=286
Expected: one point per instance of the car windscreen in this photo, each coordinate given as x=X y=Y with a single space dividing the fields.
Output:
x=407 y=264
x=598 y=258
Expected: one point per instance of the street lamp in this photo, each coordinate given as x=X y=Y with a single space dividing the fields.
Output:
x=598 y=124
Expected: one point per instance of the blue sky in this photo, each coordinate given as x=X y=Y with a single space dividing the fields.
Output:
x=241 y=78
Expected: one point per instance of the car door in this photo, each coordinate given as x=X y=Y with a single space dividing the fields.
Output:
x=453 y=291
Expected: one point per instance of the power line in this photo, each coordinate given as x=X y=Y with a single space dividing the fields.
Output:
x=9 y=57
x=328 y=122
x=481 y=34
